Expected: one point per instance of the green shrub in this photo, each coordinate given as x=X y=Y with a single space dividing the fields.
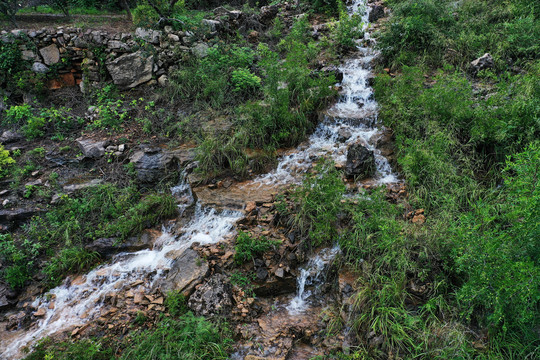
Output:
x=245 y=81
x=248 y=248
x=317 y=204
x=5 y=161
x=189 y=337
x=17 y=261
x=18 y=114
x=144 y=16
x=497 y=250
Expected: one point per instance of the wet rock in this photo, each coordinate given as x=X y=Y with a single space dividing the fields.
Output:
x=40 y=313
x=9 y=136
x=50 y=54
x=376 y=13
x=7 y=296
x=91 y=148
x=152 y=164
x=130 y=70
x=343 y=135
x=109 y=246
x=360 y=162
x=187 y=271
x=39 y=68
x=17 y=215
x=212 y=298
x=483 y=62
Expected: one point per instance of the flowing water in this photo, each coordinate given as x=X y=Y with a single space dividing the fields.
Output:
x=78 y=302
x=355 y=112
x=311 y=275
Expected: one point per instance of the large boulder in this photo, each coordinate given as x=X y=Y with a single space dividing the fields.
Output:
x=483 y=62
x=212 y=298
x=92 y=149
x=152 y=164
x=50 y=54
x=187 y=271
x=360 y=162
x=130 y=70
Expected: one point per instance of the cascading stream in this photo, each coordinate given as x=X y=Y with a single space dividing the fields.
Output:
x=77 y=303
x=80 y=301
x=355 y=112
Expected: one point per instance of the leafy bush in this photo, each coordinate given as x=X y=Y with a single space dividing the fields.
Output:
x=5 y=161
x=17 y=261
x=248 y=248
x=18 y=114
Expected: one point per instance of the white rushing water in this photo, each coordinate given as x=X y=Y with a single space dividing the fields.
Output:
x=311 y=275
x=355 y=112
x=78 y=302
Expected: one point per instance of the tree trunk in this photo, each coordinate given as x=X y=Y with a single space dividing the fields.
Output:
x=125 y=5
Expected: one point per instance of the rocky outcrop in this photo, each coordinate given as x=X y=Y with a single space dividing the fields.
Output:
x=92 y=149
x=360 y=162
x=107 y=247
x=482 y=63
x=187 y=271
x=7 y=296
x=212 y=298
x=9 y=136
x=131 y=70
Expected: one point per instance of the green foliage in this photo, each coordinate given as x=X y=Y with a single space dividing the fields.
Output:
x=244 y=282
x=347 y=30
x=144 y=16
x=325 y=6
x=11 y=62
x=69 y=260
x=5 y=161
x=213 y=79
x=18 y=114
x=189 y=337
x=317 y=204
x=17 y=261
x=497 y=249
x=459 y=32
x=176 y=303
x=245 y=81
x=216 y=154
x=248 y=248
x=102 y=211
x=85 y=349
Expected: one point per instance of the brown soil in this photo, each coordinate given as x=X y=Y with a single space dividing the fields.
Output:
x=109 y=23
